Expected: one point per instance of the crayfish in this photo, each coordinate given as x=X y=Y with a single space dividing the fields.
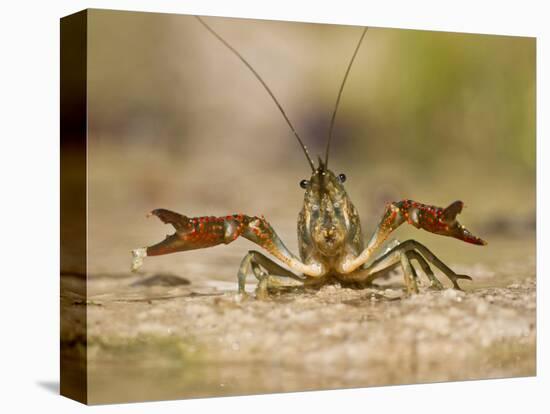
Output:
x=331 y=243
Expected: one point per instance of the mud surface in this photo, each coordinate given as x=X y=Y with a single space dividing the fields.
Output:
x=164 y=336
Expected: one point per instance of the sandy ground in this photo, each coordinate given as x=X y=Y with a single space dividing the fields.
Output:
x=163 y=336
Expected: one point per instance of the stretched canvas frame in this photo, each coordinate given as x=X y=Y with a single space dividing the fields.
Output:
x=161 y=350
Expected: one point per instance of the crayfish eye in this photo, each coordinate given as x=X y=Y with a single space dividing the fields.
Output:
x=342 y=178
x=304 y=184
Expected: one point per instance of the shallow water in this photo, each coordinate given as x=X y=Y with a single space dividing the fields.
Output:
x=167 y=336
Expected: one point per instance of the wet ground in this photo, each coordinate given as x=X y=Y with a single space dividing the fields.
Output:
x=164 y=336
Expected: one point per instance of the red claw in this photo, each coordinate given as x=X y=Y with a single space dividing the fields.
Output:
x=469 y=237
x=206 y=231
x=437 y=220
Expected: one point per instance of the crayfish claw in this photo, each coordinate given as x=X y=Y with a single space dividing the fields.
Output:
x=177 y=220
x=450 y=212
x=137 y=258
x=464 y=234
x=433 y=219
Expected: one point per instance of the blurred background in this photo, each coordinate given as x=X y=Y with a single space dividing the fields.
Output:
x=177 y=121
